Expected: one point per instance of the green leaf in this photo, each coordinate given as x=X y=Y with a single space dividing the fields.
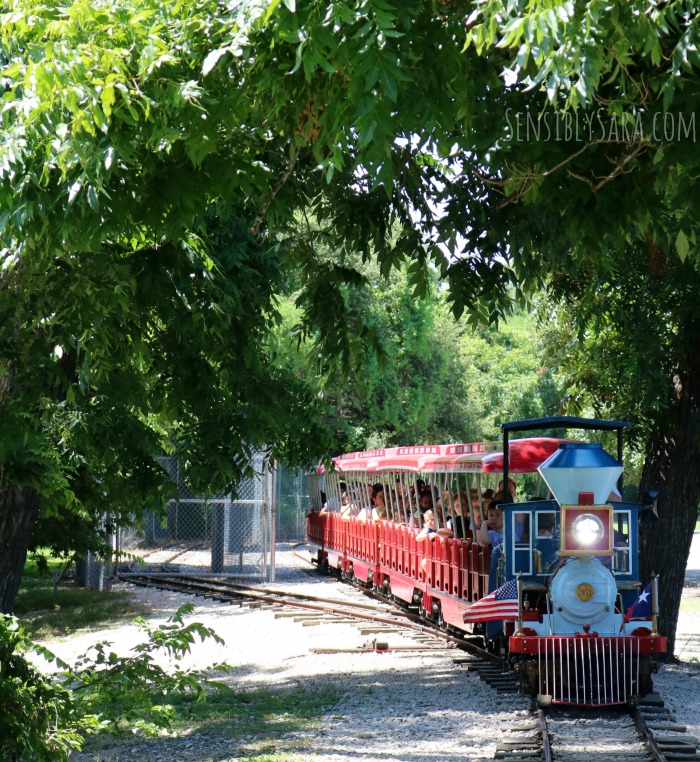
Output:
x=682 y=245
x=92 y=198
x=389 y=85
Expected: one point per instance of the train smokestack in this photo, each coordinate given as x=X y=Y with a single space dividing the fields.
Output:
x=580 y=473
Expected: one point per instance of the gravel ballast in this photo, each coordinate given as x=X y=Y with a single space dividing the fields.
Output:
x=395 y=706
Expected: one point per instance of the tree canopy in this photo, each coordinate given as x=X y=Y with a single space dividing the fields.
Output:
x=628 y=342
x=423 y=376
x=454 y=123
x=497 y=144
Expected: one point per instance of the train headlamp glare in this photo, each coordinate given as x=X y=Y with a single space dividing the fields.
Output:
x=588 y=529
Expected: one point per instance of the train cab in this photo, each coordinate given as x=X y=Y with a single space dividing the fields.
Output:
x=540 y=552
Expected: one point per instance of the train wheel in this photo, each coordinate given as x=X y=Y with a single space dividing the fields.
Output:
x=386 y=589
x=436 y=614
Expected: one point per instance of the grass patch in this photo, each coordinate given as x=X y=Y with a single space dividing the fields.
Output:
x=690 y=605
x=46 y=614
x=249 y=712
x=261 y=720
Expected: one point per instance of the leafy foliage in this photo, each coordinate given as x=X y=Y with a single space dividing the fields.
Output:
x=372 y=117
x=32 y=704
x=609 y=134
x=624 y=344
x=425 y=378
x=133 y=691
x=46 y=717
x=120 y=355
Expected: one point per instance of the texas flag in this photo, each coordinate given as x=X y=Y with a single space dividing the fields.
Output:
x=641 y=608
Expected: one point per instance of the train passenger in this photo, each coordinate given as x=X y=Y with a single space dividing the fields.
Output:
x=364 y=509
x=620 y=540
x=486 y=498
x=332 y=504
x=511 y=488
x=379 y=511
x=401 y=504
x=370 y=495
x=442 y=506
x=491 y=531
x=404 y=508
x=430 y=530
x=458 y=523
x=415 y=489
x=349 y=507
x=425 y=501
x=477 y=511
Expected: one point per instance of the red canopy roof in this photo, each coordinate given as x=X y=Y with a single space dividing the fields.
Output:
x=418 y=458
x=524 y=455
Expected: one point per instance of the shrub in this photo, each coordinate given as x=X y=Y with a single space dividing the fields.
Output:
x=45 y=717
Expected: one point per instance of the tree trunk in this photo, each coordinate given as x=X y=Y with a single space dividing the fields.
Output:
x=19 y=509
x=671 y=467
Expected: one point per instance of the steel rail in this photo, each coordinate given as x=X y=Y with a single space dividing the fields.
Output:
x=544 y=732
x=647 y=734
x=311 y=603
x=234 y=587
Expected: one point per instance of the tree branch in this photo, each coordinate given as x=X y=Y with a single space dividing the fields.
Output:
x=527 y=178
x=278 y=186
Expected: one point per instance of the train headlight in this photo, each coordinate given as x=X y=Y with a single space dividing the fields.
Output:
x=588 y=529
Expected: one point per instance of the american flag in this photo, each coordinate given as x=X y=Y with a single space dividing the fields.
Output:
x=500 y=604
x=641 y=608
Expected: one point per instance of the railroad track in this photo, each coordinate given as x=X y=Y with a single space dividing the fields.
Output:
x=643 y=733
x=639 y=734
x=379 y=618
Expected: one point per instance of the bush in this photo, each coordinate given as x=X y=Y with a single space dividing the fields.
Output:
x=45 y=717
x=39 y=718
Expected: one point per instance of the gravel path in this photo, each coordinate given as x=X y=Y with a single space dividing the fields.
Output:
x=399 y=706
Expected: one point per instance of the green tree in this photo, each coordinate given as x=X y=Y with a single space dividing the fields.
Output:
x=628 y=345
x=111 y=357
x=394 y=389
x=46 y=717
x=425 y=377
x=122 y=123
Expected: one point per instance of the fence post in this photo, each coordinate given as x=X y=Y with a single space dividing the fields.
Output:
x=217 y=537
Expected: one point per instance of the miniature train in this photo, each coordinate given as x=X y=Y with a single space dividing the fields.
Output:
x=561 y=594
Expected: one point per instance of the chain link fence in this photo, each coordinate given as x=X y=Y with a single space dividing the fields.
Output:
x=293 y=503
x=220 y=534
